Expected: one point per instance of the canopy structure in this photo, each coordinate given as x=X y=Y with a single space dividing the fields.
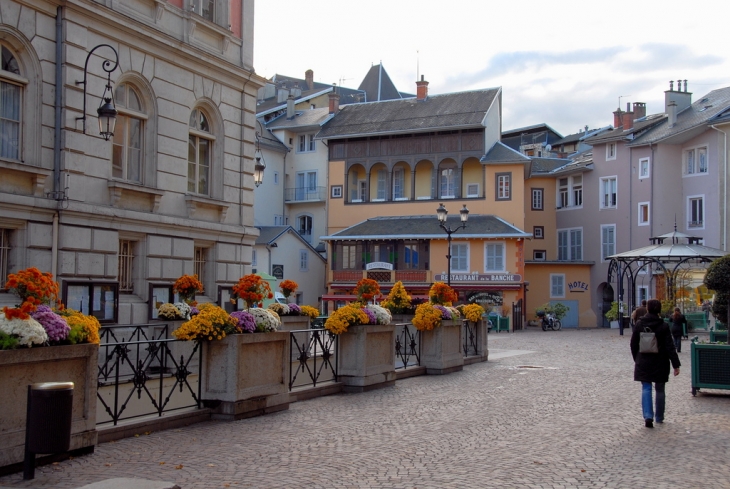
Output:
x=665 y=260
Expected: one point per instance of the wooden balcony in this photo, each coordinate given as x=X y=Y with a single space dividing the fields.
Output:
x=381 y=276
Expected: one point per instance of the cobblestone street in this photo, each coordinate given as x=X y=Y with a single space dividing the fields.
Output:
x=574 y=423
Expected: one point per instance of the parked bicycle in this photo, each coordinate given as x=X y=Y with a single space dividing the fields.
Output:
x=549 y=321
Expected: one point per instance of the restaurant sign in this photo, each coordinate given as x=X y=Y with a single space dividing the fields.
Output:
x=378 y=265
x=480 y=277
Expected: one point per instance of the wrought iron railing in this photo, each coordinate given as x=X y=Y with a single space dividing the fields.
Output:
x=314 y=357
x=407 y=346
x=304 y=194
x=471 y=332
x=143 y=372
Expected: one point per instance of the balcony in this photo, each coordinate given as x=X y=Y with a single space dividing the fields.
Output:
x=381 y=276
x=695 y=224
x=305 y=194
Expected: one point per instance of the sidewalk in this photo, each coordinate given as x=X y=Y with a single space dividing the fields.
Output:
x=504 y=424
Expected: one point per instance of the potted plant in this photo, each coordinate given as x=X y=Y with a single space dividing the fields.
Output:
x=441 y=332
x=398 y=302
x=252 y=289
x=613 y=314
x=40 y=344
x=366 y=290
x=288 y=287
x=186 y=287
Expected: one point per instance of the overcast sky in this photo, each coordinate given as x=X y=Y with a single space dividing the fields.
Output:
x=564 y=63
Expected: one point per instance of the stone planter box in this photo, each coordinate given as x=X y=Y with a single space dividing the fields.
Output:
x=482 y=344
x=246 y=375
x=367 y=357
x=291 y=323
x=402 y=318
x=442 y=349
x=68 y=363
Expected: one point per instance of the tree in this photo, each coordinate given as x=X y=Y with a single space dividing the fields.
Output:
x=717 y=278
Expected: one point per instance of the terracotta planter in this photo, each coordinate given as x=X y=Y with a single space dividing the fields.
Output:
x=19 y=368
x=246 y=375
x=442 y=349
x=367 y=357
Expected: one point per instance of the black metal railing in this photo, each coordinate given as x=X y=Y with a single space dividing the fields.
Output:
x=303 y=194
x=471 y=334
x=144 y=372
x=407 y=346
x=314 y=357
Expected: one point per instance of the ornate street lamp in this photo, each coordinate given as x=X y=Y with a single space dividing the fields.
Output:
x=441 y=213
x=260 y=166
x=106 y=112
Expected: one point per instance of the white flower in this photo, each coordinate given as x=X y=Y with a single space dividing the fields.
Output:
x=183 y=309
x=29 y=331
x=382 y=314
x=455 y=314
x=265 y=318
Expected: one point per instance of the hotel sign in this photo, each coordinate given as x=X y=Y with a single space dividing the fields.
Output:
x=480 y=277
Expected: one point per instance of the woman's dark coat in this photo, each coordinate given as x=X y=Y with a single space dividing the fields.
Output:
x=653 y=367
x=677 y=322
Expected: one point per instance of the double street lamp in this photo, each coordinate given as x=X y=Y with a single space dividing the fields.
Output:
x=441 y=213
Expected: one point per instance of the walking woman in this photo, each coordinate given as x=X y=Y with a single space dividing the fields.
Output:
x=678 y=320
x=653 y=367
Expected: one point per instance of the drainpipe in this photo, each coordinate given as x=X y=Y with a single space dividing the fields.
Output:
x=57 y=137
x=724 y=198
x=631 y=199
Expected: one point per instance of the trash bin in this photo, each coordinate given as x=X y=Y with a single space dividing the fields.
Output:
x=48 y=422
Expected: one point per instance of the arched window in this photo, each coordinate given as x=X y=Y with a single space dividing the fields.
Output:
x=11 y=89
x=127 y=152
x=200 y=150
x=447 y=181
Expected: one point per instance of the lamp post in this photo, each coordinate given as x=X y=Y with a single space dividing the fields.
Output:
x=260 y=165
x=441 y=213
x=107 y=112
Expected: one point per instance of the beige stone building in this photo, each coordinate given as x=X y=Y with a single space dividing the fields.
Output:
x=171 y=192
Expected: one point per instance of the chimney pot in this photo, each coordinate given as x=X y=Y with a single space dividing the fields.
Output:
x=672 y=113
x=421 y=89
x=334 y=99
x=685 y=85
x=671 y=85
x=617 y=118
x=290 y=107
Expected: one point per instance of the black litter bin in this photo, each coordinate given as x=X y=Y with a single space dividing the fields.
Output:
x=48 y=423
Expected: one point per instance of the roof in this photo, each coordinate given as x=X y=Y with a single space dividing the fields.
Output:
x=546 y=165
x=378 y=86
x=267 y=140
x=460 y=110
x=579 y=162
x=272 y=105
x=427 y=227
x=696 y=116
x=501 y=153
x=640 y=126
x=671 y=251
x=269 y=234
x=530 y=129
x=302 y=119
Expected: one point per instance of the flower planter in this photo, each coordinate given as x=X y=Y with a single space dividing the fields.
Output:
x=441 y=348
x=68 y=363
x=367 y=357
x=710 y=366
x=291 y=323
x=246 y=375
x=402 y=318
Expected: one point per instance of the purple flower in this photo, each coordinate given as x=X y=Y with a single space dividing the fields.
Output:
x=56 y=328
x=194 y=310
x=372 y=318
x=246 y=321
x=294 y=310
x=445 y=313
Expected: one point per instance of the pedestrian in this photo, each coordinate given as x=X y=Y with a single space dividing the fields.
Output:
x=678 y=320
x=638 y=313
x=653 y=367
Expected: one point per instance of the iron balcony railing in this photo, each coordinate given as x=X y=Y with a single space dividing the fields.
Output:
x=305 y=194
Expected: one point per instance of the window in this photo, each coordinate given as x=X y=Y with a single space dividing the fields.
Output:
x=644 y=168
x=304 y=228
x=460 y=257
x=537 y=199
x=472 y=190
x=696 y=212
x=279 y=220
x=253 y=257
x=126 y=261
x=563 y=193
x=643 y=213
x=695 y=161
x=349 y=257
x=539 y=255
x=276 y=178
x=570 y=191
x=306 y=185
x=303 y=260
x=128 y=135
x=642 y=293
x=504 y=183
x=205 y=8
x=494 y=258
x=538 y=232
x=570 y=244
x=448 y=182
x=10 y=100
x=199 y=153
x=380 y=191
x=398 y=193
x=4 y=255
x=557 y=285
x=160 y=294
x=410 y=256
x=608 y=192
x=199 y=258
x=93 y=298
x=577 y=182
x=611 y=151
x=608 y=241
x=306 y=143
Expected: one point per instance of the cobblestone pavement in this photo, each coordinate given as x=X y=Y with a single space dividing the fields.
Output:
x=576 y=423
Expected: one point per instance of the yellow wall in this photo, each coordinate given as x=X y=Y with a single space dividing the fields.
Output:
x=577 y=288
x=546 y=218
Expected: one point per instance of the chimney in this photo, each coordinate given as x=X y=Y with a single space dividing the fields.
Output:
x=421 y=89
x=309 y=77
x=334 y=102
x=639 y=110
x=290 y=107
x=627 y=118
x=672 y=113
x=681 y=98
x=617 y=118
